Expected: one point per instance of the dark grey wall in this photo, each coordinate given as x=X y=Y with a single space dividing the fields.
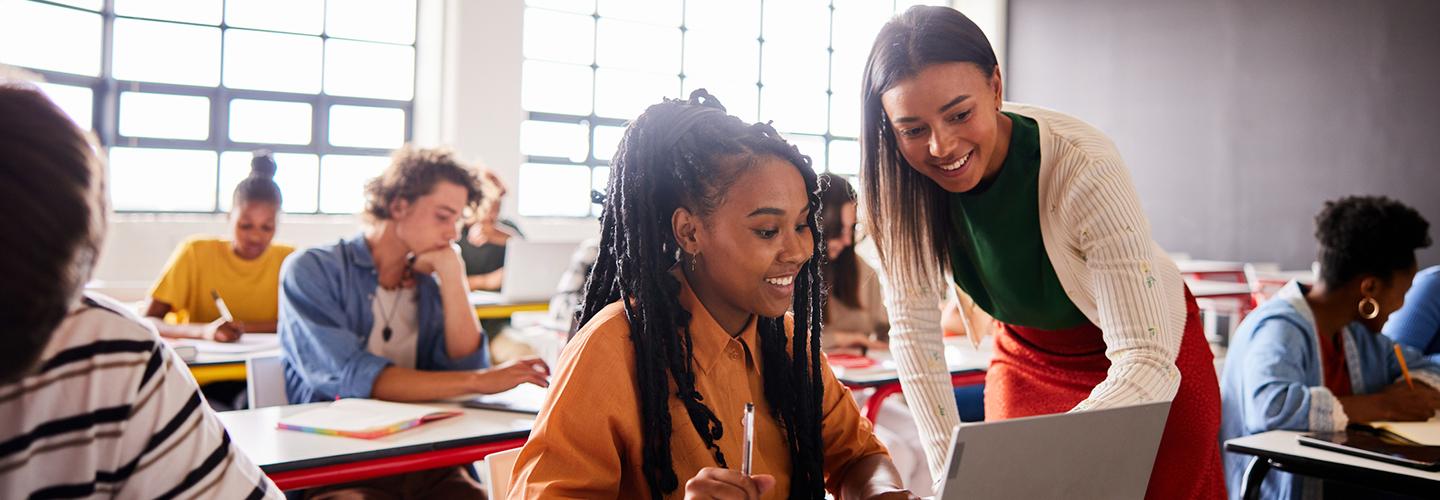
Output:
x=1238 y=118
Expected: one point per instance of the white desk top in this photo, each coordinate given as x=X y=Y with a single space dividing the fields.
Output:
x=1210 y=288
x=1209 y=266
x=959 y=355
x=1286 y=443
x=276 y=450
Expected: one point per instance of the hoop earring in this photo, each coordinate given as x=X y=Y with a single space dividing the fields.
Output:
x=1374 y=308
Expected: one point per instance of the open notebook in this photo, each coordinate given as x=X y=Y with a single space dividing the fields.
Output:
x=1426 y=433
x=362 y=418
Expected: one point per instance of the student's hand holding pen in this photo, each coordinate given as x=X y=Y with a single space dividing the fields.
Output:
x=727 y=484
x=223 y=331
x=1397 y=402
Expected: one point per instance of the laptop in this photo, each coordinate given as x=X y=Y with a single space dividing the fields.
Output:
x=1094 y=454
x=532 y=271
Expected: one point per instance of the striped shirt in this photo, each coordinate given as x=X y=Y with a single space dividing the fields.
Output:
x=109 y=411
x=1098 y=239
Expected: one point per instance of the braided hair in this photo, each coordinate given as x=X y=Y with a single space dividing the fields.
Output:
x=687 y=153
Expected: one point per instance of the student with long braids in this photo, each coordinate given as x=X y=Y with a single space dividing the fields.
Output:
x=707 y=241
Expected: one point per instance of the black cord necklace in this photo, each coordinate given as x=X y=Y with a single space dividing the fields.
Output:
x=386 y=332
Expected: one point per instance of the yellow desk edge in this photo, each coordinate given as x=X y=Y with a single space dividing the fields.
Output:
x=502 y=312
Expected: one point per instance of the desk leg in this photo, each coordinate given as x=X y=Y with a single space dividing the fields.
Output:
x=883 y=392
x=1254 y=475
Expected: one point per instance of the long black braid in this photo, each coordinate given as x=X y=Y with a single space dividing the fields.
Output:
x=687 y=154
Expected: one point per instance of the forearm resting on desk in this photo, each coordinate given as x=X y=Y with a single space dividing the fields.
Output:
x=874 y=477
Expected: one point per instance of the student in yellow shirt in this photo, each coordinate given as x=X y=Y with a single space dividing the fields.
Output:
x=244 y=270
x=708 y=241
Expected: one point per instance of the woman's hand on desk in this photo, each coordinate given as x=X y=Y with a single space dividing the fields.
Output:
x=505 y=377
x=1397 y=402
x=223 y=331
x=727 y=484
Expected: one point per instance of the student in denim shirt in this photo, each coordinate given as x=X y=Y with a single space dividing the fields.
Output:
x=1312 y=358
x=385 y=314
x=1418 y=323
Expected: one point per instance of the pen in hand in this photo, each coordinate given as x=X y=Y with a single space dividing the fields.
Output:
x=749 y=424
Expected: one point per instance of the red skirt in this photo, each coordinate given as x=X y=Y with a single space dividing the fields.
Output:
x=1038 y=372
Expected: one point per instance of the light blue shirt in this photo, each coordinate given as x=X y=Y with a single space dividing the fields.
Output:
x=325 y=320
x=1417 y=324
x=1273 y=380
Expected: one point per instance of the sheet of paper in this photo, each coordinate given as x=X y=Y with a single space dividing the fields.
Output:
x=1426 y=433
x=359 y=415
x=252 y=342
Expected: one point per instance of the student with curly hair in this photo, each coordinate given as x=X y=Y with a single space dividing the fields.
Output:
x=1312 y=357
x=384 y=314
x=707 y=241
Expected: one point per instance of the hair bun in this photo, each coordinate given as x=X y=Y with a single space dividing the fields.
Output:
x=263 y=164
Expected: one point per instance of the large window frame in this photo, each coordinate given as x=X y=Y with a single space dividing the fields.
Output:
x=598 y=166
x=106 y=91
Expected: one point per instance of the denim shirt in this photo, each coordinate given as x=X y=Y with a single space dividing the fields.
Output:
x=1273 y=380
x=326 y=314
x=1417 y=324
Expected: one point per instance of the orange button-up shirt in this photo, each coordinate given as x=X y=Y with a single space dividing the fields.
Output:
x=587 y=441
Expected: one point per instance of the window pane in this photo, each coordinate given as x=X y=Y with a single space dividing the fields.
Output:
x=555 y=139
x=625 y=94
x=342 y=182
x=190 y=11
x=607 y=141
x=47 y=37
x=795 y=84
x=296 y=16
x=84 y=4
x=554 y=190
x=270 y=122
x=77 y=102
x=845 y=157
x=798 y=22
x=845 y=113
x=272 y=61
x=149 y=51
x=364 y=69
x=162 y=179
x=740 y=18
x=560 y=37
x=297 y=175
x=556 y=88
x=655 y=12
x=586 y=7
x=376 y=20
x=812 y=146
x=859 y=21
x=165 y=116
x=794 y=109
x=726 y=66
x=367 y=127
x=627 y=45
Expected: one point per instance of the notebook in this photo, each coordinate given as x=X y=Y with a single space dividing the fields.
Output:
x=1425 y=433
x=362 y=418
x=524 y=398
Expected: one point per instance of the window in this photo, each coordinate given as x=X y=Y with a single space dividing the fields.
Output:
x=591 y=65
x=180 y=91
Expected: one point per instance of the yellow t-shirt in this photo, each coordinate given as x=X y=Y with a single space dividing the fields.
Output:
x=251 y=288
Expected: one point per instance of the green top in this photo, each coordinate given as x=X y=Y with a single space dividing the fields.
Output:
x=996 y=251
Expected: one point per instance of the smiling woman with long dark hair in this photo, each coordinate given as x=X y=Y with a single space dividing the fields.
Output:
x=1031 y=214
x=707 y=243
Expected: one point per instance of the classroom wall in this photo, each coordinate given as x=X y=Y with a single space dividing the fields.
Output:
x=1239 y=118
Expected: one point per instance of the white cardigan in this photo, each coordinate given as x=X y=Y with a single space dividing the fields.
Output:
x=1098 y=240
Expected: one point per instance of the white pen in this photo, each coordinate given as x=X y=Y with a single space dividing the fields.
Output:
x=220 y=304
x=749 y=423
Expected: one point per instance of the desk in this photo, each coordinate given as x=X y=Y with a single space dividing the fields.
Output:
x=967 y=365
x=296 y=460
x=1281 y=450
x=1208 y=269
x=503 y=311
x=1210 y=289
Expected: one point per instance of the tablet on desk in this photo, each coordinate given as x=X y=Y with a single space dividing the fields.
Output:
x=1366 y=442
x=525 y=398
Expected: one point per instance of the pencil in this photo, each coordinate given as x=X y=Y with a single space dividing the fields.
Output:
x=1404 y=369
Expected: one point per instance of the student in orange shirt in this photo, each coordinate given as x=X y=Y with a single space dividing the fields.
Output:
x=708 y=240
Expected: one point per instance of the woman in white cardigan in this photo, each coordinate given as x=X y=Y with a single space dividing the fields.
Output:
x=1031 y=216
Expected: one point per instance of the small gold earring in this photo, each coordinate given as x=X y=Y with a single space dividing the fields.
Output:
x=1374 y=308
